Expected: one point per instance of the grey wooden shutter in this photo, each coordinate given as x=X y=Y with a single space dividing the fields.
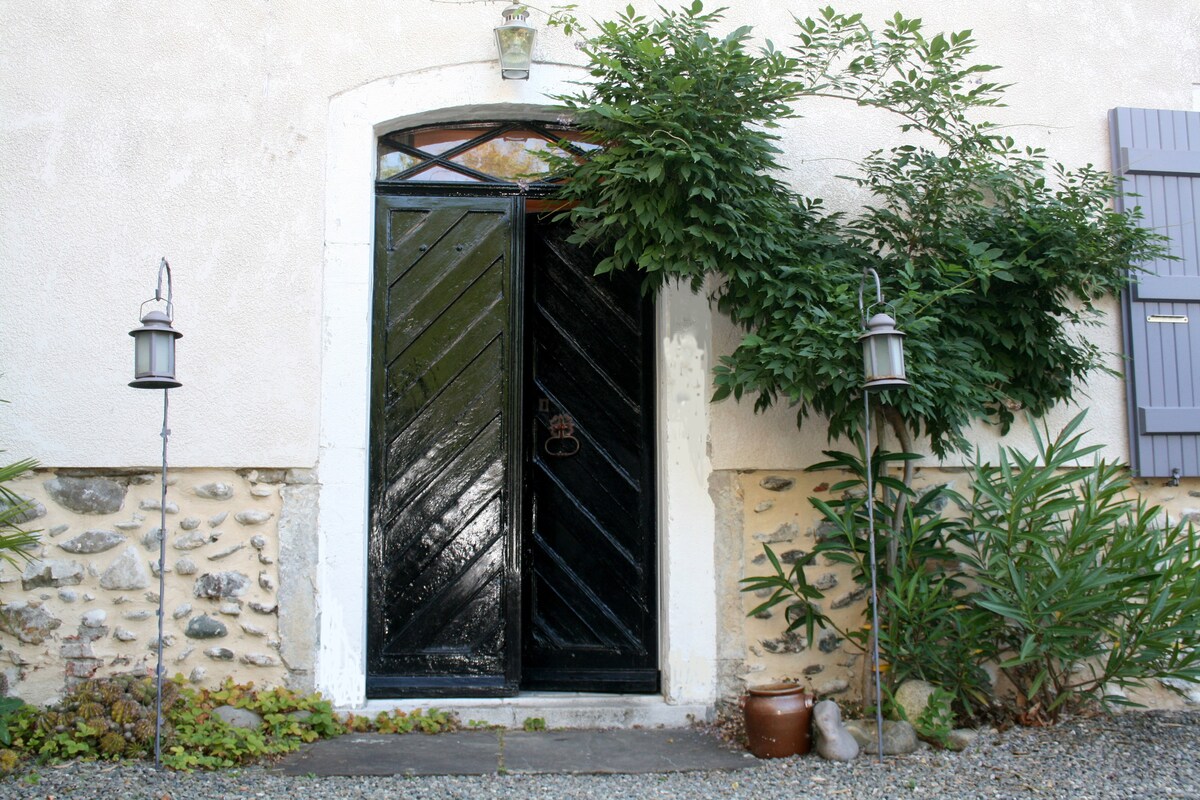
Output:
x=1158 y=154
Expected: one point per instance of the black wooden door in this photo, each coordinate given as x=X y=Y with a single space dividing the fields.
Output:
x=589 y=595
x=443 y=589
x=512 y=539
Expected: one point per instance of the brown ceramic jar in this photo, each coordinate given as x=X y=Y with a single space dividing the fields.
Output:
x=778 y=720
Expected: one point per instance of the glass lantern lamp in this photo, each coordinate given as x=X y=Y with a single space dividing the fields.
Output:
x=154 y=343
x=514 y=41
x=883 y=354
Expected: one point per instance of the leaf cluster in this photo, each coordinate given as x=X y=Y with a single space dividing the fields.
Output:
x=992 y=257
x=1054 y=570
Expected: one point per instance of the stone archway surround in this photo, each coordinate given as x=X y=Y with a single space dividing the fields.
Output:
x=687 y=587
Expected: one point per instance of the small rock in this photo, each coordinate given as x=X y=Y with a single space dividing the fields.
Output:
x=814 y=669
x=961 y=738
x=58 y=530
x=52 y=573
x=300 y=476
x=168 y=640
x=152 y=538
x=67 y=595
x=32 y=509
x=189 y=523
x=258 y=541
x=239 y=717
x=87 y=495
x=850 y=598
x=252 y=516
x=190 y=541
x=151 y=597
x=137 y=615
x=91 y=542
x=262 y=491
x=31 y=623
x=217 y=519
x=221 y=585
x=126 y=572
x=232 y=609
x=834 y=742
x=265 y=559
x=94 y=618
x=214 y=491
x=266 y=581
x=77 y=649
x=127 y=526
x=826 y=582
x=156 y=505
x=154 y=568
x=899 y=737
x=185 y=655
x=263 y=608
x=776 y=483
x=829 y=642
x=185 y=566
x=219 y=653
x=257 y=660
x=833 y=686
x=228 y=551
x=765 y=505
x=197 y=675
x=784 y=533
x=124 y=635
x=253 y=630
x=912 y=698
x=205 y=627
x=182 y=611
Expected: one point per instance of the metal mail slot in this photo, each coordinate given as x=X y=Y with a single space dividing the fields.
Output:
x=1170 y=319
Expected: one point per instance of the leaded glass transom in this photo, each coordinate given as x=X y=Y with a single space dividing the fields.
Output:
x=493 y=153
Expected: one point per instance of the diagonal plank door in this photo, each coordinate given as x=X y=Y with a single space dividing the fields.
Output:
x=589 y=605
x=442 y=553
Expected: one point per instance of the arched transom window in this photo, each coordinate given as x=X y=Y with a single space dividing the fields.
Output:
x=489 y=153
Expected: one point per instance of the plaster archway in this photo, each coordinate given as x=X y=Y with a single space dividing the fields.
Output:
x=687 y=593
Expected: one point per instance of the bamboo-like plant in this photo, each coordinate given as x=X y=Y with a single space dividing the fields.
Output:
x=14 y=540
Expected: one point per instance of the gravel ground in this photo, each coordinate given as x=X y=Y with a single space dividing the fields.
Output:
x=1134 y=755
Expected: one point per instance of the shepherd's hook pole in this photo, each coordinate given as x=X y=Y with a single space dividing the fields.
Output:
x=162 y=564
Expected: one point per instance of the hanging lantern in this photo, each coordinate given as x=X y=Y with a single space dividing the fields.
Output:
x=154 y=343
x=883 y=354
x=514 y=41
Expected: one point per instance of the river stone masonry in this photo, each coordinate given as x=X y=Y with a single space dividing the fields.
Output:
x=86 y=606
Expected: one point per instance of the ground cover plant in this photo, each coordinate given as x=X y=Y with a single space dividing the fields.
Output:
x=113 y=719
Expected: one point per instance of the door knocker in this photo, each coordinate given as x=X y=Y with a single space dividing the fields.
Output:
x=562 y=441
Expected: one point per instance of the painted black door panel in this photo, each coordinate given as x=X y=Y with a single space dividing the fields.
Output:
x=442 y=583
x=589 y=602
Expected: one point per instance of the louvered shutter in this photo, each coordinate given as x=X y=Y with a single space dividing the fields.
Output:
x=1158 y=155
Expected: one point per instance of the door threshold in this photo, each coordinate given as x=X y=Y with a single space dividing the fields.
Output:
x=557 y=709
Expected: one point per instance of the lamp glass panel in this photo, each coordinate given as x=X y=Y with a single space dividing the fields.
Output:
x=516 y=47
x=896 y=355
x=162 y=353
x=879 y=362
x=141 y=355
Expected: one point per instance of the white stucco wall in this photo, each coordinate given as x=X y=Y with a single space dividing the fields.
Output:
x=198 y=131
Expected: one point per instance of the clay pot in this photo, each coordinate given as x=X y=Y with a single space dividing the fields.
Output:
x=778 y=720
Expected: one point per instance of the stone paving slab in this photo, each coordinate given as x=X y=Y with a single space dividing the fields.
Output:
x=492 y=752
x=618 y=752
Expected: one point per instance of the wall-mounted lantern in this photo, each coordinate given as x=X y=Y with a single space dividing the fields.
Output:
x=514 y=41
x=154 y=342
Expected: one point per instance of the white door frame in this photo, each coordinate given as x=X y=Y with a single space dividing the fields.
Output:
x=687 y=574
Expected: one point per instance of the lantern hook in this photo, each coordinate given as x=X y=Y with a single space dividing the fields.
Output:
x=158 y=295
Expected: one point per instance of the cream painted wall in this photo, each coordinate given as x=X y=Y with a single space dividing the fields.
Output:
x=198 y=131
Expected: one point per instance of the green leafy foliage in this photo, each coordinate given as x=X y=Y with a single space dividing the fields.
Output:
x=1094 y=589
x=991 y=255
x=1055 y=570
x=14 y=540
x=927 y=631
